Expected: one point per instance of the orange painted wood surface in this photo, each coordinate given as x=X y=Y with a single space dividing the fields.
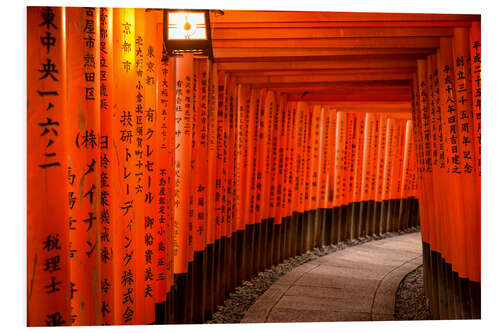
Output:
x=148 y=159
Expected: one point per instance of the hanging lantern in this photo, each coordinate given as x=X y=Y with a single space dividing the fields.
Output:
x=187 y=31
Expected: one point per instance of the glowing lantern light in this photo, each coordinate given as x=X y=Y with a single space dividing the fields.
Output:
x=187 y=31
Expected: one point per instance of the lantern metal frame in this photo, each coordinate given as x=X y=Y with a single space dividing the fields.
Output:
x=175 y=47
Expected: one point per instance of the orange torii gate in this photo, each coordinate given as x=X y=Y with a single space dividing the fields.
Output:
x=157 y=183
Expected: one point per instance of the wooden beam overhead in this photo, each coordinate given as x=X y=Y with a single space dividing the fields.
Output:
x=323 y=71
x=229 y=54
x=324 y=89
x=298 y=79
x=366 y=106
x=311 y=16
x=357 y=42
x=401 y=115
x=352 y=96
x=337 y=84
x=357 y=62
x=345 y=89
x=365 y=63
x=375 y=109
x=301 y=33
x=340 y=24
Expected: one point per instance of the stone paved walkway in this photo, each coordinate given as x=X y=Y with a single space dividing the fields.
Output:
x=356 y=284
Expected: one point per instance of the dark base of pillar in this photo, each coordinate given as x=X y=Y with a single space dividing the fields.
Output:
x=160 y=313
x=179 y=298
x=208 y=306
x=451 y=296
x=199 y=290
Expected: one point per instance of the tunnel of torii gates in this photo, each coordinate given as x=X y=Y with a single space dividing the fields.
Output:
x=157 y=184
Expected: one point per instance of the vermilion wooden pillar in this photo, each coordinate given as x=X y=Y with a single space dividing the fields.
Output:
x=183 y=130
x=48 y=289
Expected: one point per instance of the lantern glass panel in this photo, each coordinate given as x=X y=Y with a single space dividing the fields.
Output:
x=186 y=25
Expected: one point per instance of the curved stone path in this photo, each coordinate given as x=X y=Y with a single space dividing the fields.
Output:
x=358 y=283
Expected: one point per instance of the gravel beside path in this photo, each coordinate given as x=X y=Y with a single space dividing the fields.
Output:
x=244 y=296
x=411 y=304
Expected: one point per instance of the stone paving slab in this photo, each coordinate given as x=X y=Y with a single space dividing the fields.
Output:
x=355 y=284
x=336 y=281
x=291 y=315
x=315 y=303
x=342 y=263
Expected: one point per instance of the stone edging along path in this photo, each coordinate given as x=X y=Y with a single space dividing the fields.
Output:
x=295 y=297
x=411 y=303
